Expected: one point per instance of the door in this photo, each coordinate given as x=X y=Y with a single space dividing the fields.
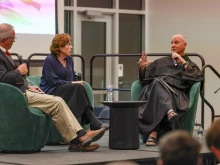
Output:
x=94 y=36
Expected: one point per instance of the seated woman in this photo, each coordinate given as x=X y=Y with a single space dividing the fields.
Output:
x=58 y=79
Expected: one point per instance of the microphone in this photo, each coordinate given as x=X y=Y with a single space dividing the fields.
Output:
x=174 y=60
x=21 y=62
x=20 y=59
x=79 y=76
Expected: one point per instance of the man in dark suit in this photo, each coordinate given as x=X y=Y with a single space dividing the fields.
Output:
x=64 y=120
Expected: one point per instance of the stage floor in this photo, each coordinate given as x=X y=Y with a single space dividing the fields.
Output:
x=57 y=155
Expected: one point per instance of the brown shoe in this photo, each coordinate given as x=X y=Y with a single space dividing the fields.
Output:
x=91 y=136
x=80 y=148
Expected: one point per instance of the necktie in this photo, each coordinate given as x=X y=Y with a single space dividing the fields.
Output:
x=8 y=54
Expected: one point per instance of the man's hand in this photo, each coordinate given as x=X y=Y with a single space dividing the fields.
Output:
x=35 y=89
x=178 y=58
x=23 y=69
x=143 y=61
x=78 y=82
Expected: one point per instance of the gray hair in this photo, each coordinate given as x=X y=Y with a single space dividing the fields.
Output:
x=6 y=30
x=181 y=36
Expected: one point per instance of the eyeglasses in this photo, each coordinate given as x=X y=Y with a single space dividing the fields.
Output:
x=13 y=38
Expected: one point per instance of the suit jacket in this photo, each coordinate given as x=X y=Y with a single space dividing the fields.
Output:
x=9 y=73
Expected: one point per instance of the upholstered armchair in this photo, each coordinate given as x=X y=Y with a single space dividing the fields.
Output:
x=188 y=120
x=22 y=129
x=54 y=135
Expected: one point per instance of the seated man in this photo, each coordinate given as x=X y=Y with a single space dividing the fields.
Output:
x=64 y=120
x=213 y=138
x=179 y=148
x=167 y=84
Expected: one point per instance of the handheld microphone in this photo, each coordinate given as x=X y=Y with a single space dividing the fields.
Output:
x=79 y=76
x=21 y=62
x=20 y=59
x=174 y=60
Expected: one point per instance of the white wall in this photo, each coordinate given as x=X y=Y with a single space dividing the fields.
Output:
x=198 y=21
x=27 y=44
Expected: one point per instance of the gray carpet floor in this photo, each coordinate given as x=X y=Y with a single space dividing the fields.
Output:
x=57 y=155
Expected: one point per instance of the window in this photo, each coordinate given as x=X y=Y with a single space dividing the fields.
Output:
x=68 y=24
x=68 y=2
x=130 y=42
x=95 y=3
x=130 y=4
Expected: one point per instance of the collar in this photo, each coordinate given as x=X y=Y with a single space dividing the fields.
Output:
x=185 y=57
x=3 y=49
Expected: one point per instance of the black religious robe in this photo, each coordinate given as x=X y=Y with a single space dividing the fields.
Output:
x=166 y=87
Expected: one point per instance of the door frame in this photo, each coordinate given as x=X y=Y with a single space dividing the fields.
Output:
x=110 y=62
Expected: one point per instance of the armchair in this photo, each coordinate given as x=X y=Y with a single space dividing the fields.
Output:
x=188 y=120
x=22 y=129
x=54 y=135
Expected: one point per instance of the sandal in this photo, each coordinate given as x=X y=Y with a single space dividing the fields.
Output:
x=151 y=141
x=172 y=116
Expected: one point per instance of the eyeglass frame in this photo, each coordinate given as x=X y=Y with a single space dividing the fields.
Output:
x=14 y=38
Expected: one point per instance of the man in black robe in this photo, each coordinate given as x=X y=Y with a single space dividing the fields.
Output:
x=167 y=89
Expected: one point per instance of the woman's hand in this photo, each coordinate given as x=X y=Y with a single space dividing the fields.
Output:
x=78 y=82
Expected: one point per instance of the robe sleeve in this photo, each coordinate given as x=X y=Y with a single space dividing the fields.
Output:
x=192 y=73
x=141 y=73
x=148 y=72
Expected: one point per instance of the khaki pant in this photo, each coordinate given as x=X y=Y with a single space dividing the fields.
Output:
x=54 y=106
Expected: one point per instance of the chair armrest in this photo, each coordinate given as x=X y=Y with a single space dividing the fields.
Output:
x=188 y=119
x=136 y=89
x=34 y=80
x=89 y=92
x=11 y=98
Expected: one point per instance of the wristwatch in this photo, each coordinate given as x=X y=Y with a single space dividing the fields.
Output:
x=186 y=63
